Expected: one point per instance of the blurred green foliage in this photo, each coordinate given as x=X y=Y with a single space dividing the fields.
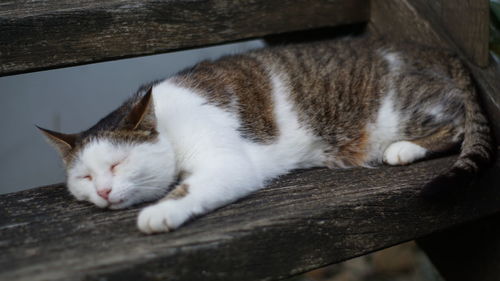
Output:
x=495 y=26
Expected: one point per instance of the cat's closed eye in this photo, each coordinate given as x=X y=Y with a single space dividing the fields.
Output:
x=112 y=168
x=87 y=177
x=115 y=165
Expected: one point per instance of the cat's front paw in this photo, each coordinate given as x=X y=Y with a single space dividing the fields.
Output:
x=403 y=153
x=162 y=217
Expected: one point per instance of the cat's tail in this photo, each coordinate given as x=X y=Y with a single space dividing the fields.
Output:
x=477 y=150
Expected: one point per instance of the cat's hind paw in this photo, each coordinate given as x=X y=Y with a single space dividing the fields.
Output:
x=403 y=153
x=161 y=217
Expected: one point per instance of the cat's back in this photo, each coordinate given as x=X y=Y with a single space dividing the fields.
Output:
x=359 y=95
x=335 y=88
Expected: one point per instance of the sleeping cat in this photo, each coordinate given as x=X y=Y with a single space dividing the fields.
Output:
x=220 y=130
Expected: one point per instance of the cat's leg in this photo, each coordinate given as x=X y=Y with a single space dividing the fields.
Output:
x=406 y=152
x=202 y=191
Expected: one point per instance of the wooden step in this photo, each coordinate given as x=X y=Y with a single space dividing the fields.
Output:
x=302 y=221
x=45 y=34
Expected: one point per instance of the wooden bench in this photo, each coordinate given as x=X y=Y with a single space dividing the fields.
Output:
x=302 y=221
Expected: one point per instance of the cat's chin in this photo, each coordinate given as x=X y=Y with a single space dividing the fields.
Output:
x=119 y=205
x=99 y=203
x=102 y=204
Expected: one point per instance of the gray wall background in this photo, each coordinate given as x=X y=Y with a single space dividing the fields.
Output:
x=70 y=100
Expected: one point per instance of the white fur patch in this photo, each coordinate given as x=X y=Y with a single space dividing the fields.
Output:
x=385 y=130
x=162 y=217
x=436 y=111
x=202 y=140
x=296 y=147
x=403 y=153
x=393 y=59
x=144 y=172
x=207 y=146
x=223 y=166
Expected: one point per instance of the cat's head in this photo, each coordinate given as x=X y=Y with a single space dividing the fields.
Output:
x=120 y=161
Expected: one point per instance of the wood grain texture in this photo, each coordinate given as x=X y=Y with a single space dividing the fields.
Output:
x=303 y=221
x=467 y=22
x=461 y=25
x=466 y=252
x=416 y=20
x=44 y=34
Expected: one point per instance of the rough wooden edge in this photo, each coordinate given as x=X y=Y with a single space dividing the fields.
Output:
x=37 y=35
x=467 y=23
x=467 y=252
x=303 y=221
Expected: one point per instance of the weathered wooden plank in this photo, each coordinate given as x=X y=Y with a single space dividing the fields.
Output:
x=467 y=22
x=53 y=33
x=306 y=220
x=462 y=25
x=415 y=20
x=466 y=252
x=401 y=20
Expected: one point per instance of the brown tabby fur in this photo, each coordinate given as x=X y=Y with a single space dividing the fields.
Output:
x=239 y=84
x=337 y=87
x=177 y=192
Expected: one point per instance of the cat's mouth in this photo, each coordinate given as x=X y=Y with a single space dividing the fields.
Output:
x=117 y=205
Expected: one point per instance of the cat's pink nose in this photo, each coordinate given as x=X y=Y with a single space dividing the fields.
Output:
x=104 y=193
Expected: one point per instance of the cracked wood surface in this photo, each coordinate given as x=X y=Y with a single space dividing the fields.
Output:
x=45 y=34
x=302 y=221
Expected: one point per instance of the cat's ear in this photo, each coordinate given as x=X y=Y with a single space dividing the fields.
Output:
x=141 y=115
x=63 y=142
